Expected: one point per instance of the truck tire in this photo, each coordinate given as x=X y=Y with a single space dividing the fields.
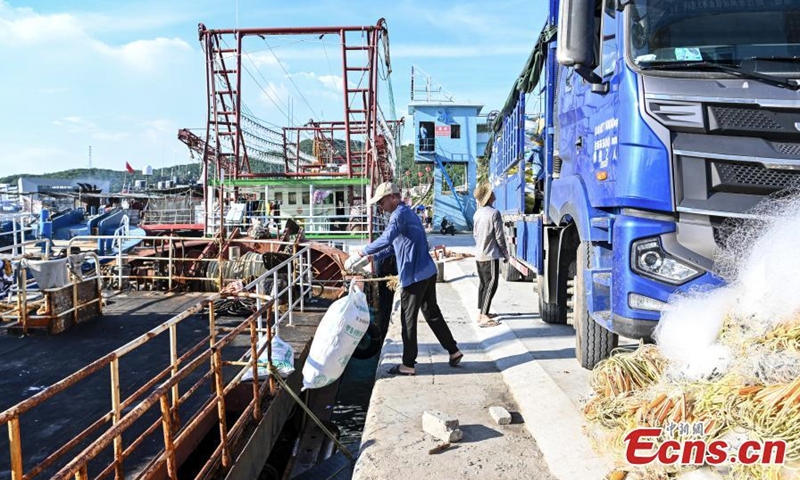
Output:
x=509 y=273
x=553 y=313
x=593 y=342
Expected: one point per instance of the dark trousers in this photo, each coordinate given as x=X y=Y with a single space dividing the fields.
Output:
x=422 y=295
x=488 y=273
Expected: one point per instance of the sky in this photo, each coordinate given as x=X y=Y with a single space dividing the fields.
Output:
x=120 y=78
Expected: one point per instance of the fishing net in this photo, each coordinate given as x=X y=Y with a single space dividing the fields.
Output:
x=727 y=362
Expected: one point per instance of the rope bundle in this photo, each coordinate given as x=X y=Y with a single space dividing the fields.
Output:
x=246 y=268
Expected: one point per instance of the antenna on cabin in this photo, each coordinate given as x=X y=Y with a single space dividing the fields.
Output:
x=425 y=88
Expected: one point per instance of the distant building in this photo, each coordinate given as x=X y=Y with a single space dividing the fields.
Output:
x=33 y=190
x=446 y=136
x=31 y=185
x=9 y=199
x=8 y=192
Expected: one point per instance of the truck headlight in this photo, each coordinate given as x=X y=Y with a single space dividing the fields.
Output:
x=650 y=260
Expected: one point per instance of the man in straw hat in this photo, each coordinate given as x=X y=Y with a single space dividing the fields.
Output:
x=405 y=238
x=490 y=247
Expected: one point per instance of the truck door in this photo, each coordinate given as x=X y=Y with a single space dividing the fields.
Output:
x=599 y=114
x=566 y=120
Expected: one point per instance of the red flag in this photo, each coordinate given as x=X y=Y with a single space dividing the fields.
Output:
x=129 y=168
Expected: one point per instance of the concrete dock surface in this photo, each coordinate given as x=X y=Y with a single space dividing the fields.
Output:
x=524 y=365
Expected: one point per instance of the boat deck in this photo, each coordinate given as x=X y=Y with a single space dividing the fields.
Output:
x=32 y=363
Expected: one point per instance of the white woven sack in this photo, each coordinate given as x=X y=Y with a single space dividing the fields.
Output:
x=337 y=336
x=282 y=359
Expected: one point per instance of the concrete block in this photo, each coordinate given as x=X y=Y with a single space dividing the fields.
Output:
x=440 y=272
x=450 y=436
x=440 y=426
x=500 y=415
x=436 y=417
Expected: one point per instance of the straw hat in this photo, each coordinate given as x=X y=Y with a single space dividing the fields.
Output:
x=386 y=188
x=483 y=193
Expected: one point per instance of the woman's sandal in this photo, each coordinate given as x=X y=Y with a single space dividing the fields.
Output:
x=396 y=371
x=454 y=361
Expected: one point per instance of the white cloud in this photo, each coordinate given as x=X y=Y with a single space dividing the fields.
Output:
x=64 y=33
x=53 y=90
x=112 y=137
x=129 y=17
x=333 y=82
x=75 y=123
x=106 y=67
x=275 y=95
x=145 y=55
x=160 y=125
x=78 y=124
x=443 y=51
x=262 y=59
x=287 y=54
x=22 y=26
x=308 y=75
x=475 y=19
x=156 y=134
x=459 y=18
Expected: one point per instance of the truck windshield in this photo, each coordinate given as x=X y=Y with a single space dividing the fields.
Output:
x=755 y=35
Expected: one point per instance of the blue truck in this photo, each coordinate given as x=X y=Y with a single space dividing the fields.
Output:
x=664 y=122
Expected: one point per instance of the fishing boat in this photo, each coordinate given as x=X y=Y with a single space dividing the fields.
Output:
x=130 y=361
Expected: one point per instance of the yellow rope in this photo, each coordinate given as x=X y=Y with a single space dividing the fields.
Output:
x=276 y=375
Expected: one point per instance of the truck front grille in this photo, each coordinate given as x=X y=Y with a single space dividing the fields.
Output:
x=750 y=119
x=751 y=176
x=789 y=149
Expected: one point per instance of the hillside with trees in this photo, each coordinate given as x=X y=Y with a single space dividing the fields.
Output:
x=117 y=178
x=409 y=172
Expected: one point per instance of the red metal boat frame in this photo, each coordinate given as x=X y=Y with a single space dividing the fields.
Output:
x=224 y=85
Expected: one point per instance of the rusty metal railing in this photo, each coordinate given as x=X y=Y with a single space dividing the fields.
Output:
x=23 y=289
x=160 y=394
x=168 y=245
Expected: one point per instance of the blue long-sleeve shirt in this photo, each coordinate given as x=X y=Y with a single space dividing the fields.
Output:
x=405 y=238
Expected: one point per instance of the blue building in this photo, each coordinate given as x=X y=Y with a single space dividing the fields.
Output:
x=446 y=136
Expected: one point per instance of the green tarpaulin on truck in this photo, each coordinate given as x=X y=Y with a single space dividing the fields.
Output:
x=527 y=79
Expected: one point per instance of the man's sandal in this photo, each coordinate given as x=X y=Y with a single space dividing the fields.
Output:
x=396 y=371
x=454 y=361
x=489 y=323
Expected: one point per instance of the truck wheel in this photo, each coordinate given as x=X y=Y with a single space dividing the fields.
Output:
x=553 y=313
x=593 y=342
x=509 y=273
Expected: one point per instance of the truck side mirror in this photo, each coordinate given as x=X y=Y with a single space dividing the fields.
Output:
x=576 y=38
